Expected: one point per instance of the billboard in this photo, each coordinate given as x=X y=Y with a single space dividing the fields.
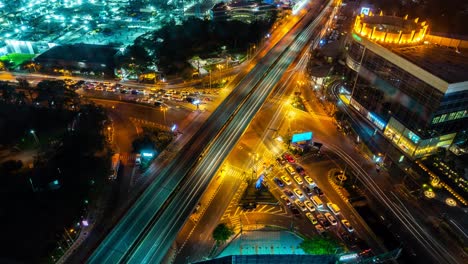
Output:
x=365 y=11
x=258 y=184
x=301 y=137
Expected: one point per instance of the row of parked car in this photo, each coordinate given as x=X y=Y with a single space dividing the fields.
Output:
x=306 y=196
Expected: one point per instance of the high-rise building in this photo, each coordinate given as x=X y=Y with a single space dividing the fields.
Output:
x=412 y=86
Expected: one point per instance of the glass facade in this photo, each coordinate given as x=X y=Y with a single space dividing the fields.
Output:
x=387 y=90
x=413 y=115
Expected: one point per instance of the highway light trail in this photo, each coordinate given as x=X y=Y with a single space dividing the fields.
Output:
x=432 y=246
x=155 y=245
x=147 y=231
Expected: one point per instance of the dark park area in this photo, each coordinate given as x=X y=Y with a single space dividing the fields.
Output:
x=66 y=164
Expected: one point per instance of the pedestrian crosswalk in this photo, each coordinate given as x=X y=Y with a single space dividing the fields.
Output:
x=235 y=223
x=267 y=208
x=234 y=208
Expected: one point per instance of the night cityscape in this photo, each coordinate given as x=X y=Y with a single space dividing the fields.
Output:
x=234 y=131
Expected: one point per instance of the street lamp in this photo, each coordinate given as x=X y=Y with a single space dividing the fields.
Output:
x=34 y=135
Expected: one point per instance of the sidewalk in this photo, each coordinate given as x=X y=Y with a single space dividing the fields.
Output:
x=95 y=213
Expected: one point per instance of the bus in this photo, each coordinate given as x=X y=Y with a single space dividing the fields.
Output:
x=115 y=166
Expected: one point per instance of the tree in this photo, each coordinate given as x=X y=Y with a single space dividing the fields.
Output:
x=11 y=165
x=55 y=93
x=222 y=233
x=23 y=84
x=145 y=142
x=6 y=90
x=319 y=245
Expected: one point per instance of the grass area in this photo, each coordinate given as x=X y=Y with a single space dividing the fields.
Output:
x=17 y=58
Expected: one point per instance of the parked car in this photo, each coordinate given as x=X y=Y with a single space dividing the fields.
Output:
x=312 y=218
x=298 y=180
x=310 y=205
x=319 y=228
x=295 y=211
x=286 y=180
x=323 y=221
x=281 y=161
x=309 y=180
x=278 y=182
x=289 y=194
x=300 y=170
x=300 y=205
x=308 y=191
x=318 y=191
x=331 y=218
x=299 y=193
x=289 y=157
x=290 y=169
x=285 y=199
x=347 y=225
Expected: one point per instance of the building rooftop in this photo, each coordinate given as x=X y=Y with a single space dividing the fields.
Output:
x=446 y=63
x=277 y=259
x=264 y=243
x=391 y=23
x=79 y=52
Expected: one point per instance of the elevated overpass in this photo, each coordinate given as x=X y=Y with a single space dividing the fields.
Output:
x=148 y=229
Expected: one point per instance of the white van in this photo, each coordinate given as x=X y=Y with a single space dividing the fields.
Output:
x=317 y=201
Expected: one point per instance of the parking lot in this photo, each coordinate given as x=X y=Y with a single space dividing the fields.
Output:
x=190 y=98
x=297 y=191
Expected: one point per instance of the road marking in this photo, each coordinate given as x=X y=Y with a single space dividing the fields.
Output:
x=271 y=208
x=199 y=215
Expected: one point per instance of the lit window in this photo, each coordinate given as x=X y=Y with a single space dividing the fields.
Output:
x=452 y=116
x=442 y=118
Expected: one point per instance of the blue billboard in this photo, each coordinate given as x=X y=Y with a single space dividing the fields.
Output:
x=260 y=179
x=301 y=137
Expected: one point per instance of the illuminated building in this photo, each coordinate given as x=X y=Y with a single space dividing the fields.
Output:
x=412 y=86
x=243 y=10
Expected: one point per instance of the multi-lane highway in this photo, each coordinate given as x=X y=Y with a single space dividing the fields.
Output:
x=158 y=240
x=145 y=233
